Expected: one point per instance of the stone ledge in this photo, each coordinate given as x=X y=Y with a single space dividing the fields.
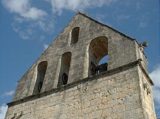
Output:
x=96 y=77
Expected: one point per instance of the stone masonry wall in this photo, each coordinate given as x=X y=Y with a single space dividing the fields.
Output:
x=121 y=51
x=146 y=96
x=107 y=97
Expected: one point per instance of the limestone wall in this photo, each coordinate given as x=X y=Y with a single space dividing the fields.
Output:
x=114 y=96
x=121 y=51
x=146 y=96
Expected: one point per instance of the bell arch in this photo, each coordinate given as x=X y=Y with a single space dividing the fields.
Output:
x=41 y=71
x=98 y=55
x=64 y=70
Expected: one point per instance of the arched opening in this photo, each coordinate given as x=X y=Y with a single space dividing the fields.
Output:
x=41 y=71
x=64 y=71
x=103 y=60
x=75 y=35
x=98 y=55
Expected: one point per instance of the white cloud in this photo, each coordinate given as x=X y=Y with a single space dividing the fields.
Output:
x=30 y=22
x=59 y=5
x=45 y=46
x=9 y=93
x=24 y=9
x=34 y=30
x=155 y=76
x=3 y=110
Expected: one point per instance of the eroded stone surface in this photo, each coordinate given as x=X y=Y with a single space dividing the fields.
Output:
x=124 y=95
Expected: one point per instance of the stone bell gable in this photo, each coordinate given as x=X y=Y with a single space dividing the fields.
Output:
x=71 y=81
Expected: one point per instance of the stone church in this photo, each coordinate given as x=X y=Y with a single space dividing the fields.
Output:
x=70 y=80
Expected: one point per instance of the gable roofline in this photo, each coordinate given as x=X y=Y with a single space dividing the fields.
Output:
x=92 y=19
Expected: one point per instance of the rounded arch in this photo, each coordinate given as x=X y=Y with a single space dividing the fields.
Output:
x=75 y=35
x=66 y=58
x=98 y=49
x=64 y=70
x=41 y=71
x=42 y=66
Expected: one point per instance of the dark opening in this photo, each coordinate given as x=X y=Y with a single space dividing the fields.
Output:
x=41 y=70
x=98 y=55
x=64 y=71
x=75 y=35
x=64 y=78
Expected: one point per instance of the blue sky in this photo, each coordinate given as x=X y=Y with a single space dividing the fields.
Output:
x=28 y=26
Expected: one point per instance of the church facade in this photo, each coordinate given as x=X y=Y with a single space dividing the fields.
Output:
x=71 y=80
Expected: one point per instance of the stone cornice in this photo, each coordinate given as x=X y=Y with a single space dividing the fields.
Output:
x=73 y=84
